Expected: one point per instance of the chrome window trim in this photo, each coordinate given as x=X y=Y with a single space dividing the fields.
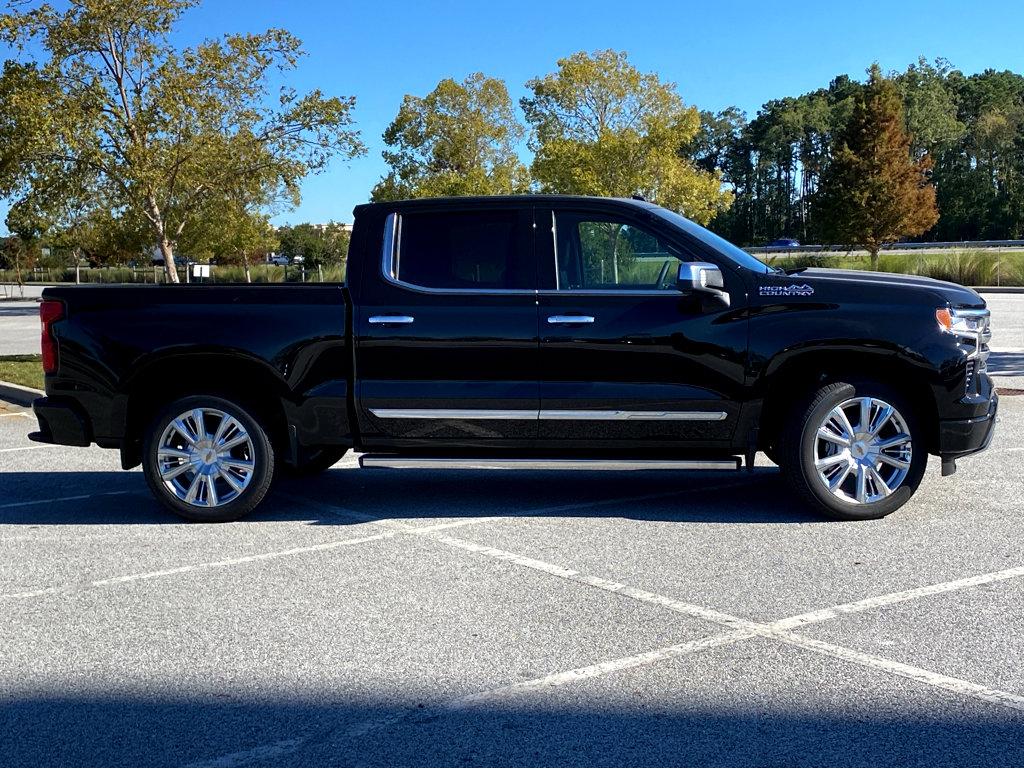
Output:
x=588 y=415
x=391 y=255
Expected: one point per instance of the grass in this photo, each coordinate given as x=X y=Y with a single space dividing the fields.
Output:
x=967 y=267
x=25 y=370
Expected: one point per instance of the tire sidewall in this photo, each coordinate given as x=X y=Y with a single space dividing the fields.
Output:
x=263 y=457
x=808 y=438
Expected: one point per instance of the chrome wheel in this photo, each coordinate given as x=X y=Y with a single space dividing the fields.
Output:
x=205 y=457
x=862 y=450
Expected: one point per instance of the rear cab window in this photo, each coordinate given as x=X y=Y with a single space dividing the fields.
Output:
x=472 y=250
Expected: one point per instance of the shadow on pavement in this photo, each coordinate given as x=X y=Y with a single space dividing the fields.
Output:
x=751 y=730
x=741 y=497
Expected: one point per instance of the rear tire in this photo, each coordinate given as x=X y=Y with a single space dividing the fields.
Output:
x=854 y=450
x=206 y=459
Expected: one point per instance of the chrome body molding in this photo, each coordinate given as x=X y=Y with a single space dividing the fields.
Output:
x=616 y=415
x=552 y=414
x=455 y=413
x=541 y=463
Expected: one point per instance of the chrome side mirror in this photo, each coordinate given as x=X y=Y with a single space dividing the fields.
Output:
x=702 y=278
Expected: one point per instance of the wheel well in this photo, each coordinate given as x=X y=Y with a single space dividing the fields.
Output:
x=793 y=383
x=246 y=383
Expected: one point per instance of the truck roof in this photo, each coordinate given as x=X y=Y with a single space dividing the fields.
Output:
x=481 y=200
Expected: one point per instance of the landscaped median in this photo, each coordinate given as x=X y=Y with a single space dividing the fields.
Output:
x=21 y=378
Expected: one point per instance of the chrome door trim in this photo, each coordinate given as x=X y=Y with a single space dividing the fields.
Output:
x=385 y=319
x=542 y=463
x=552 y=414
x=455 y=413
x=600 y=415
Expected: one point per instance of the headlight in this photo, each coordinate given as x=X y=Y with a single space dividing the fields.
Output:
x=972 y=323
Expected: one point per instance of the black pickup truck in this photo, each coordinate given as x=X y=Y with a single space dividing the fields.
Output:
x=531 y=331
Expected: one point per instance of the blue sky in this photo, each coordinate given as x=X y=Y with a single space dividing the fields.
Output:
x=719 y=54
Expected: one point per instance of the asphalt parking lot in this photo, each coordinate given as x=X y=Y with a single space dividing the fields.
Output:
x=480 y=617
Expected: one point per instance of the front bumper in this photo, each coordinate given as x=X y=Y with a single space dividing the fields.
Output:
x=962 y=437
x=60 y=421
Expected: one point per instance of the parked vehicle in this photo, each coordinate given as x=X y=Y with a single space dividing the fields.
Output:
x=539 y=331
x=277 y=259
x=784 y=243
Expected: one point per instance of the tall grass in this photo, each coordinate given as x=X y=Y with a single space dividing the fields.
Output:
x=969 y=267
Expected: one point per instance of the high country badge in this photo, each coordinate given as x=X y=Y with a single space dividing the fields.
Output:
x=793 y=290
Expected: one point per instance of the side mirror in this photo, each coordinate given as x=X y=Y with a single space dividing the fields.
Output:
x=702 y=278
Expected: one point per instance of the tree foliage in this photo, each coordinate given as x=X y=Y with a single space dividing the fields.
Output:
x=601 y=127
x=112 y=117
x=317 y=244
x=457 y=140
x=874 y=191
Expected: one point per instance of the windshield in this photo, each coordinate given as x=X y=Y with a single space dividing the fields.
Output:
x=712 y=240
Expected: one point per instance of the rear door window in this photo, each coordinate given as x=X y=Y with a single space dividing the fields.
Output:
x=465 y=250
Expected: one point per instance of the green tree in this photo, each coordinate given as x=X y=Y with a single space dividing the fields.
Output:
x=457 y=140
x=874 y=191
x=317 y=244
x=601 y=127
x=111 y=116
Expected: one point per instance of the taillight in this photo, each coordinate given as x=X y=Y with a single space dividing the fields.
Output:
x=50 y=311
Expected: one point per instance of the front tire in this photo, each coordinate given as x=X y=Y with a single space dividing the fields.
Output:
x=854 y=451
x=206 y=459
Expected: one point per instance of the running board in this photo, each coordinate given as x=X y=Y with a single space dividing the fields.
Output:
x=397 y=462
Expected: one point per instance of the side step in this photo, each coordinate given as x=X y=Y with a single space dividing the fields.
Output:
x=395 y=461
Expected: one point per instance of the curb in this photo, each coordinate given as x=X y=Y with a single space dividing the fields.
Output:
x=19 y=394
x=999 y=289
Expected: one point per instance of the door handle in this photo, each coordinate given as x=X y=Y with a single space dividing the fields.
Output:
x=389 y=319
x=567 y=319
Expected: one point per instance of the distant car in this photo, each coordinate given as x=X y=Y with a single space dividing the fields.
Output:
x=279 y=259
x=784 y=243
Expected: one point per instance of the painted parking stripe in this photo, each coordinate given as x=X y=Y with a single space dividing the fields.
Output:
x=866 y=604
x=929 y=677
x=27 y=448
x=282 y=748
x=227 y=562
x=75 y=498
x=773 y=631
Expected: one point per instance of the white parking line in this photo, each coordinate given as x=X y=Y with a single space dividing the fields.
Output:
x=27 y=448
x=17 y=414
x=320 y=547
x=866 y=604
x=63 y=499
x=776 y=631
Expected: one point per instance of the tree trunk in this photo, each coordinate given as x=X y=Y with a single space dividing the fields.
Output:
x=167 y=252
x=245 y=265
x=874 y=257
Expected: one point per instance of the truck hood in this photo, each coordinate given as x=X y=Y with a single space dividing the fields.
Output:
x=955 y=294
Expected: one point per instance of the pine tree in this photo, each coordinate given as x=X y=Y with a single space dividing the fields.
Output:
x=873 y=191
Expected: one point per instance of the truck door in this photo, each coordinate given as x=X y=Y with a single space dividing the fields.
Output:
x=446 y=330
x=627 y=360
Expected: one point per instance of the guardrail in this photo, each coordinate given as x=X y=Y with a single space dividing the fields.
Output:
x=963 y=245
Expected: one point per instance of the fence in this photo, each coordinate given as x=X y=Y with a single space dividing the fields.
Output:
x=260 y=273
